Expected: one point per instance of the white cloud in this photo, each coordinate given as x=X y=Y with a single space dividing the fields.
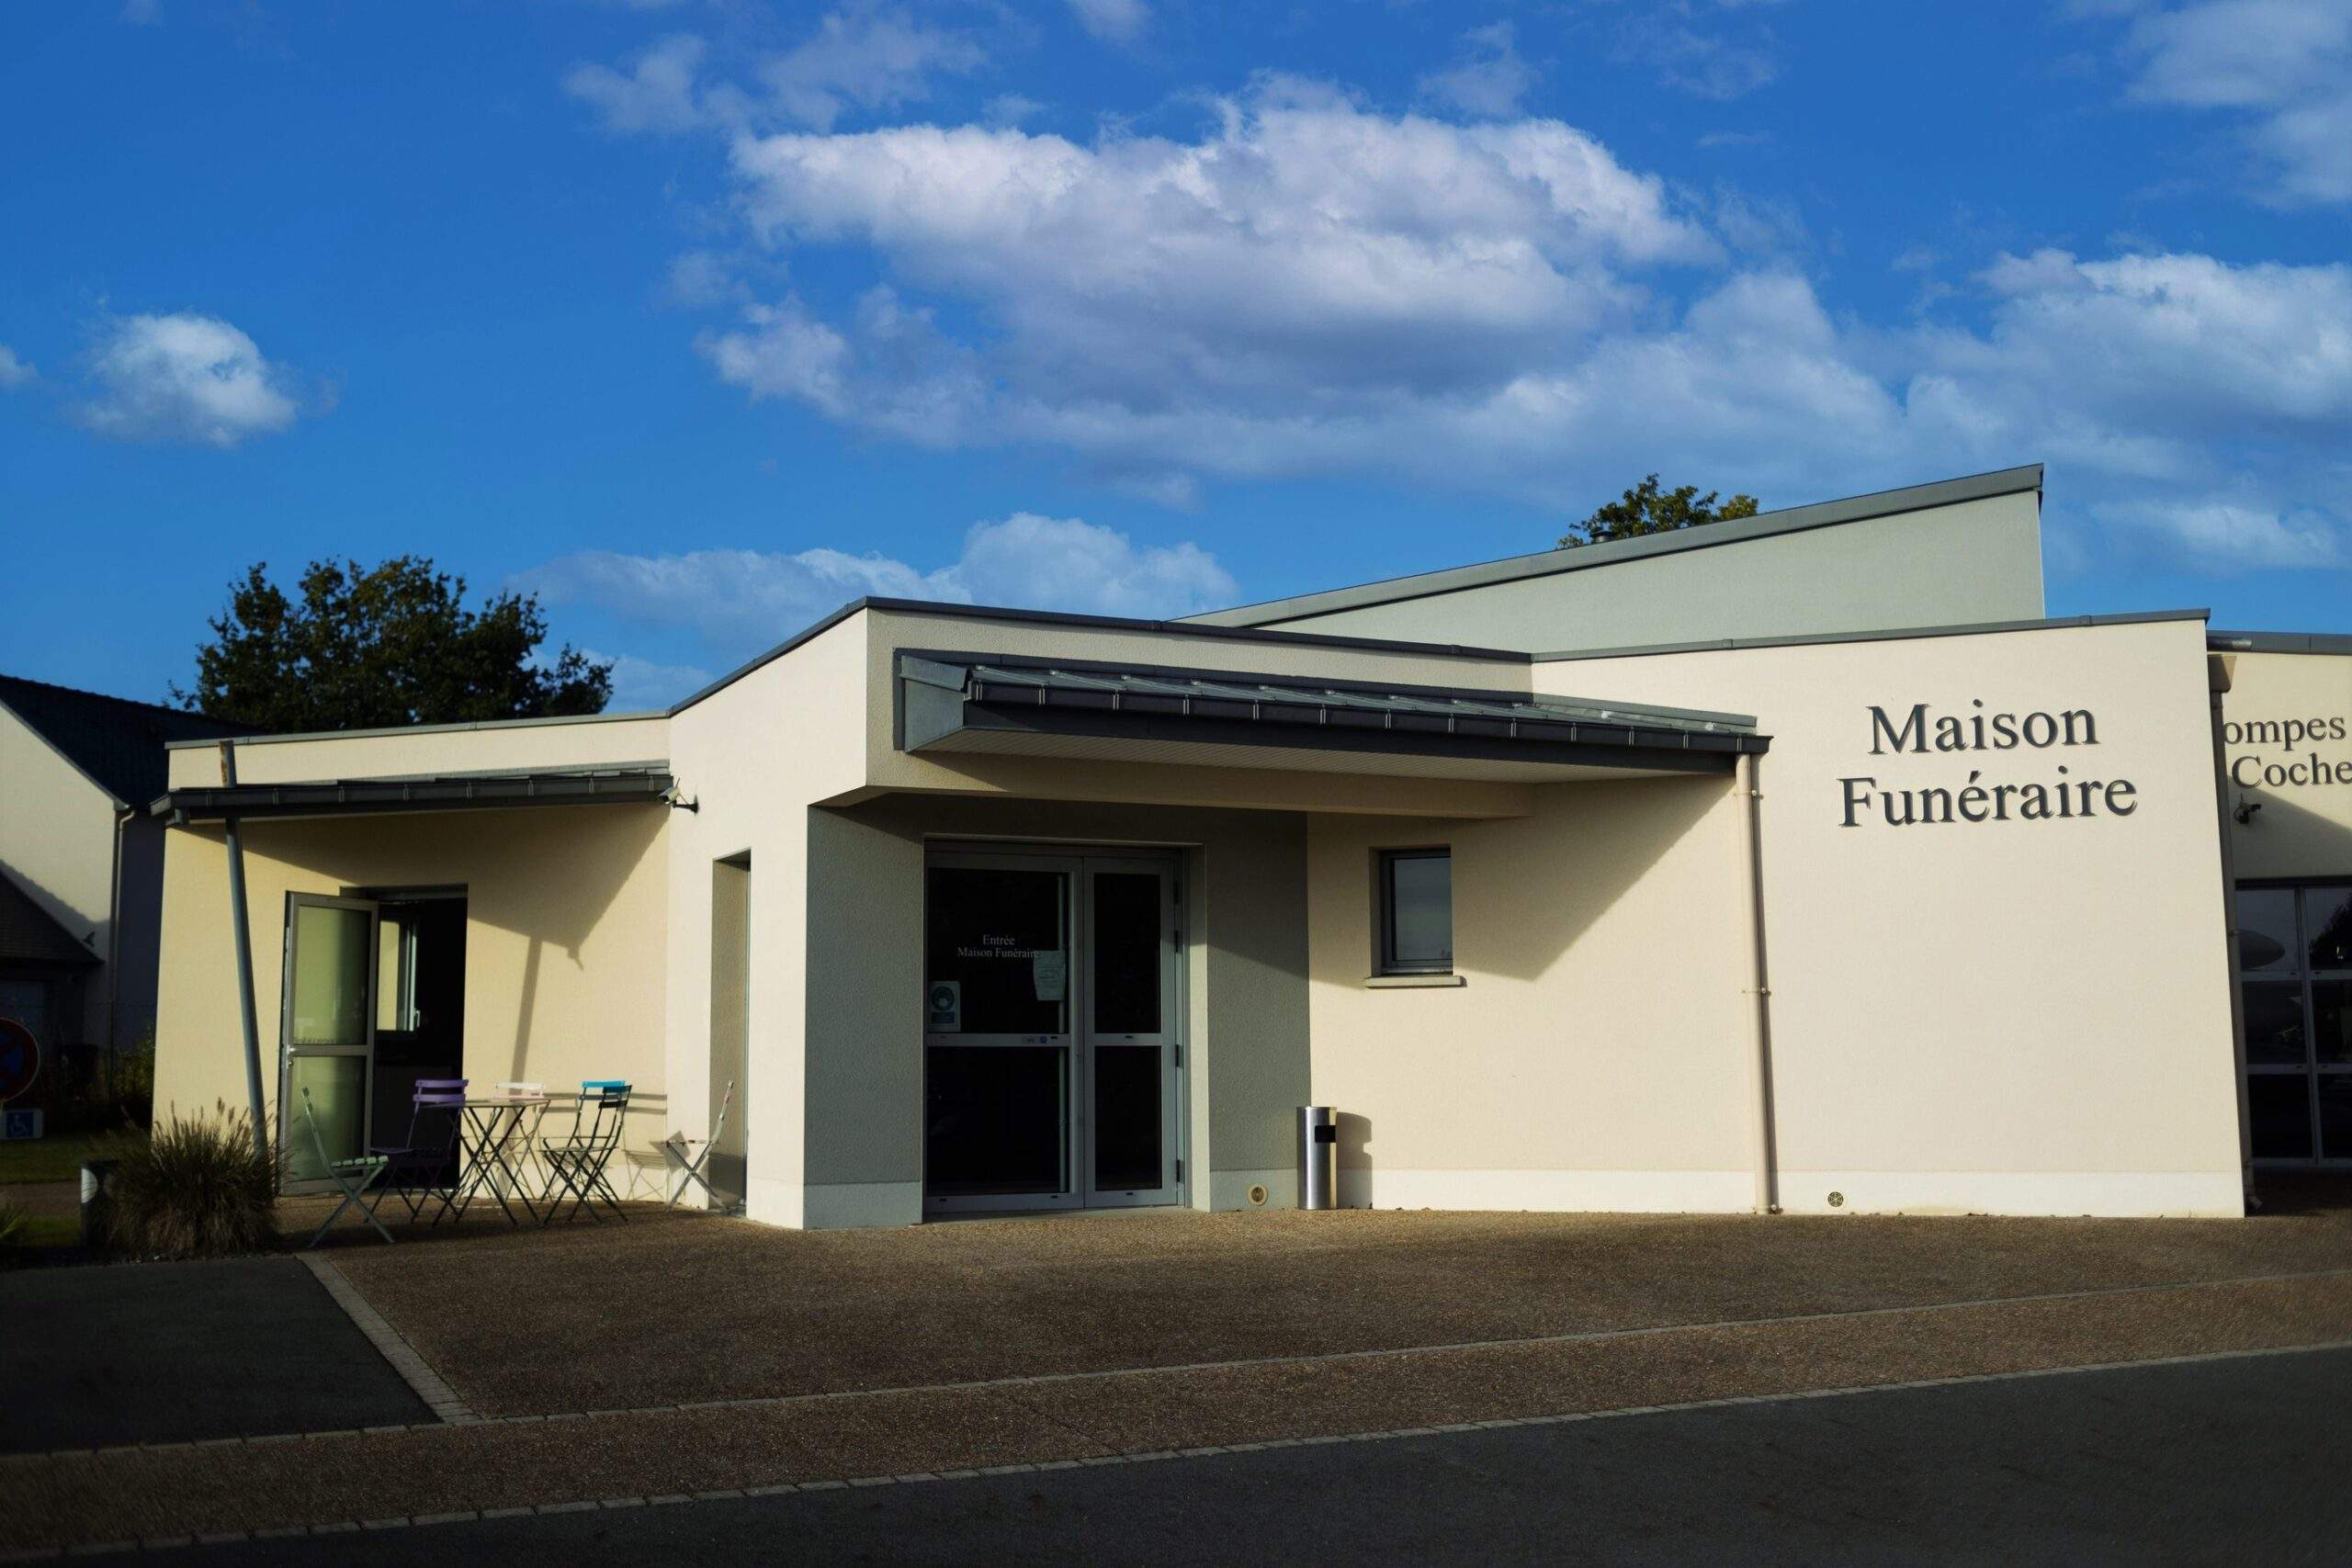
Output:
x=1307 y=288
x=1699 y=57
x=702 y=278
x=2284 y=66
x=185 y=378
x=866 y=57
x=2224 y=536
x=15 y=372
x=1303 y=255
x=657 y=95
x=1488 y=78
x=1112 y=21
x=740 y=601
x=641 y=685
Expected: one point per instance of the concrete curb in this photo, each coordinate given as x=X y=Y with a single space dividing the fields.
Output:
x=427 y=1384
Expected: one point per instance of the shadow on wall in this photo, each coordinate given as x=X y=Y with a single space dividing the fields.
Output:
x=1554 y=876
x=1355 y=1160
x=2285 y=839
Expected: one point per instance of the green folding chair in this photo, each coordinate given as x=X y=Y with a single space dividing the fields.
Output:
x=353 y=1175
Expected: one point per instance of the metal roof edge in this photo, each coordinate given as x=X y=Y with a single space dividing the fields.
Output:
x=2339 y=643
x=1110 y=623
x=1903 y=634
x=1546 y=563
x=422 y=728
x=940 y=660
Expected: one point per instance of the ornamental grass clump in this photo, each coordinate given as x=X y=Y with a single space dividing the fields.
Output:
x=194 y=1188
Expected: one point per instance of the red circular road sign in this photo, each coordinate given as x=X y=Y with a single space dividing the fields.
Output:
x=19 y=1058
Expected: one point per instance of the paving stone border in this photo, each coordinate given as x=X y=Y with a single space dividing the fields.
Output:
x=427 y=1384
x=344 y=1527
x=453 y=1411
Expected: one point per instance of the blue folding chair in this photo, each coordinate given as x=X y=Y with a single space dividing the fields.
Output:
x=353 y=1175
x=426 y=1165
x=576 y=1162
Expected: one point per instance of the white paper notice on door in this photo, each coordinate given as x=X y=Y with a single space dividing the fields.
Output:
x=1050 y=969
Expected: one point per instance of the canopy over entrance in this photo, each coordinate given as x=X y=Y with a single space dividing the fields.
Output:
x=456 y=791
x=952 y=703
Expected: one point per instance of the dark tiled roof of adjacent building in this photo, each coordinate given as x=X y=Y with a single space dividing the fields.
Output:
x=30 y=935
x=115 y=741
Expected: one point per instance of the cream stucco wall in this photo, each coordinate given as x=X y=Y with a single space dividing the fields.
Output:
x=57 y=843
x=753 y=759
x=2006 y=1016
x=1593 y=1056
x=566 y=916
x=2289 y=743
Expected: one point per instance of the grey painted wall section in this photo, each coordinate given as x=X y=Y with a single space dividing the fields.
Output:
x=1246 y=1062
x=1958 y=563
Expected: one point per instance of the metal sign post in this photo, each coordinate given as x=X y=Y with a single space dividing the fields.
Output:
x=240 y=926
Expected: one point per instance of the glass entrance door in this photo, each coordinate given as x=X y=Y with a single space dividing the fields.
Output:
x=999 y=1073
x=1052 y=1036
x=326 y=1032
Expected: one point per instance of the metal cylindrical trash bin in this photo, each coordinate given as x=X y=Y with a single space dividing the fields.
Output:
x=1319 y=1158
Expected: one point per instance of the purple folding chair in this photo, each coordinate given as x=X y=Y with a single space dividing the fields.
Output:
x=427 y=1162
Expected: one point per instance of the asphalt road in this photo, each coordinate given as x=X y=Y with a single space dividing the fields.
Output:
x=179 y=1352
x=2216 y=1462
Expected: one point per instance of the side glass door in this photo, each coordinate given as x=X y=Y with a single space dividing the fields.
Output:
x=326 y=1032
x=1000 y=1074
x=1132 y=1034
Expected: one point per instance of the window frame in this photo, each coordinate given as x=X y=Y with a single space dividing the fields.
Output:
x=1385 y=961
x=2302 y=977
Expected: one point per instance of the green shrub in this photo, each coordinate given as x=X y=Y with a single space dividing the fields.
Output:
x=194 y=1188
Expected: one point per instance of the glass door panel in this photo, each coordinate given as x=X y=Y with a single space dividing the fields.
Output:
x=326 y=1032
x=1000 y=1069
x=338 y=1088
x=1131 y=1035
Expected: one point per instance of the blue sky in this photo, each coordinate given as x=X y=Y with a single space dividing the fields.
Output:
x=698 y=318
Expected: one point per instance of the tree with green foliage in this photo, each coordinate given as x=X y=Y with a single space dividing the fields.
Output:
x=1644 y=509
x=376 y=647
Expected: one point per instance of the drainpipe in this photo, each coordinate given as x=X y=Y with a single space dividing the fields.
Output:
x=2220 y=670
x=1750 y=796
x=239 y=925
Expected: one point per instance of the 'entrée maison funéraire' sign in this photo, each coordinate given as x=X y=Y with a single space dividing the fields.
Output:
x=2055 y=793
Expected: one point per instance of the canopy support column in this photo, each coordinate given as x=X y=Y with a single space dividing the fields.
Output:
x=240 y=931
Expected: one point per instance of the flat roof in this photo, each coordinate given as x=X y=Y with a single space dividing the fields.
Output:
x=1547 y=563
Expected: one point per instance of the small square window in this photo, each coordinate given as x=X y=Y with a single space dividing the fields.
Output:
x=1416 y=912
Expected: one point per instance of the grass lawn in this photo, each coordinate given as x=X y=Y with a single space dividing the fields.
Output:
x=57 y=1157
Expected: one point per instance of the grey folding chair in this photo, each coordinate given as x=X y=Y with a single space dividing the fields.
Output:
x=678 y=1149
x=353 y=1175
x=577 y=1163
